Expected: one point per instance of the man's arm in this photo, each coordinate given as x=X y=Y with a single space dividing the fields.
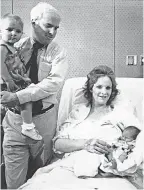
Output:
x=49 y=85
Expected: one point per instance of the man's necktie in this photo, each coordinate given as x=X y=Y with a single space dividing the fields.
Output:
x=33 y=74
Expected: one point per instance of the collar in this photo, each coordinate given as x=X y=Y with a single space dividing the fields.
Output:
x=33 y=41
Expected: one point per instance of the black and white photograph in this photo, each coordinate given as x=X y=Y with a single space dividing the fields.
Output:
x=72 y=93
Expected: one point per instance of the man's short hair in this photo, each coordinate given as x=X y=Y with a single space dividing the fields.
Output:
x=41 y=8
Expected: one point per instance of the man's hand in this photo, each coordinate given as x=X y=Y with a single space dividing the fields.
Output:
x=9 y=99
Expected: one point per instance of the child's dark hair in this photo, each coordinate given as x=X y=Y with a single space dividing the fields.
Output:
x=133 y=130
x=13 y=17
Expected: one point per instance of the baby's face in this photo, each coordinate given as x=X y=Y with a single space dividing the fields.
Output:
x=127 y=136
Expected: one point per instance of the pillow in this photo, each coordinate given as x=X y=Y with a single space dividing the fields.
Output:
x=130 y=96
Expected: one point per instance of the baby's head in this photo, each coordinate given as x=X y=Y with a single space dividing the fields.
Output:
x=11 y=28
x=130 y=133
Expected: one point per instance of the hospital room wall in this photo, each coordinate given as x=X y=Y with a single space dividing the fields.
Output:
x=94 y=32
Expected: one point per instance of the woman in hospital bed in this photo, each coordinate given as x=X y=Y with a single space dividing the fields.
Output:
x=84 y=127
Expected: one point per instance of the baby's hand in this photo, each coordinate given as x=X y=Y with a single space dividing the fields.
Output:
x=123 y=156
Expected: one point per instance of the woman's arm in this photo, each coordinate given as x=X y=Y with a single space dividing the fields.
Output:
x=65 y=142
x=92 y=145
x=69 y=145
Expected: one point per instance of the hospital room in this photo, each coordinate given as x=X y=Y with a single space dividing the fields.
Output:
x=72 y=93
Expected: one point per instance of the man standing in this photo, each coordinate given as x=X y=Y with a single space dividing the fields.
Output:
x=46 y=65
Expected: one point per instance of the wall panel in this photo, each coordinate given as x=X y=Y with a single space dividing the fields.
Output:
x=94 y=32
x=86 y=31
x=128 y=36
x=6 y=7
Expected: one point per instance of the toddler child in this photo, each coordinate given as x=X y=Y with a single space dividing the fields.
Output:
x=13 y=72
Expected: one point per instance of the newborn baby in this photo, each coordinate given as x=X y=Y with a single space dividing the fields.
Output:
x=86 y=164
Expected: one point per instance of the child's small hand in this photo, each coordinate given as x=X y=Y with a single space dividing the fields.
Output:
x=26 y=79
x=11 y=86
x=16 y=76
x=22 y=69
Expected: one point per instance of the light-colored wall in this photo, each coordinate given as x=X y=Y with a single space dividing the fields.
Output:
x=94 y=32
x=128 y=36
x=6 y=6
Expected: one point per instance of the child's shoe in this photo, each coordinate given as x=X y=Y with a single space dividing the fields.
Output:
x=33 y=134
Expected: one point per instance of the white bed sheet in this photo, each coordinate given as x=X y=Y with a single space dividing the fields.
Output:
x=61 y=179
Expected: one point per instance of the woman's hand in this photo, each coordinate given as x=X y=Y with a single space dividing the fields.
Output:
x=97 y=146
